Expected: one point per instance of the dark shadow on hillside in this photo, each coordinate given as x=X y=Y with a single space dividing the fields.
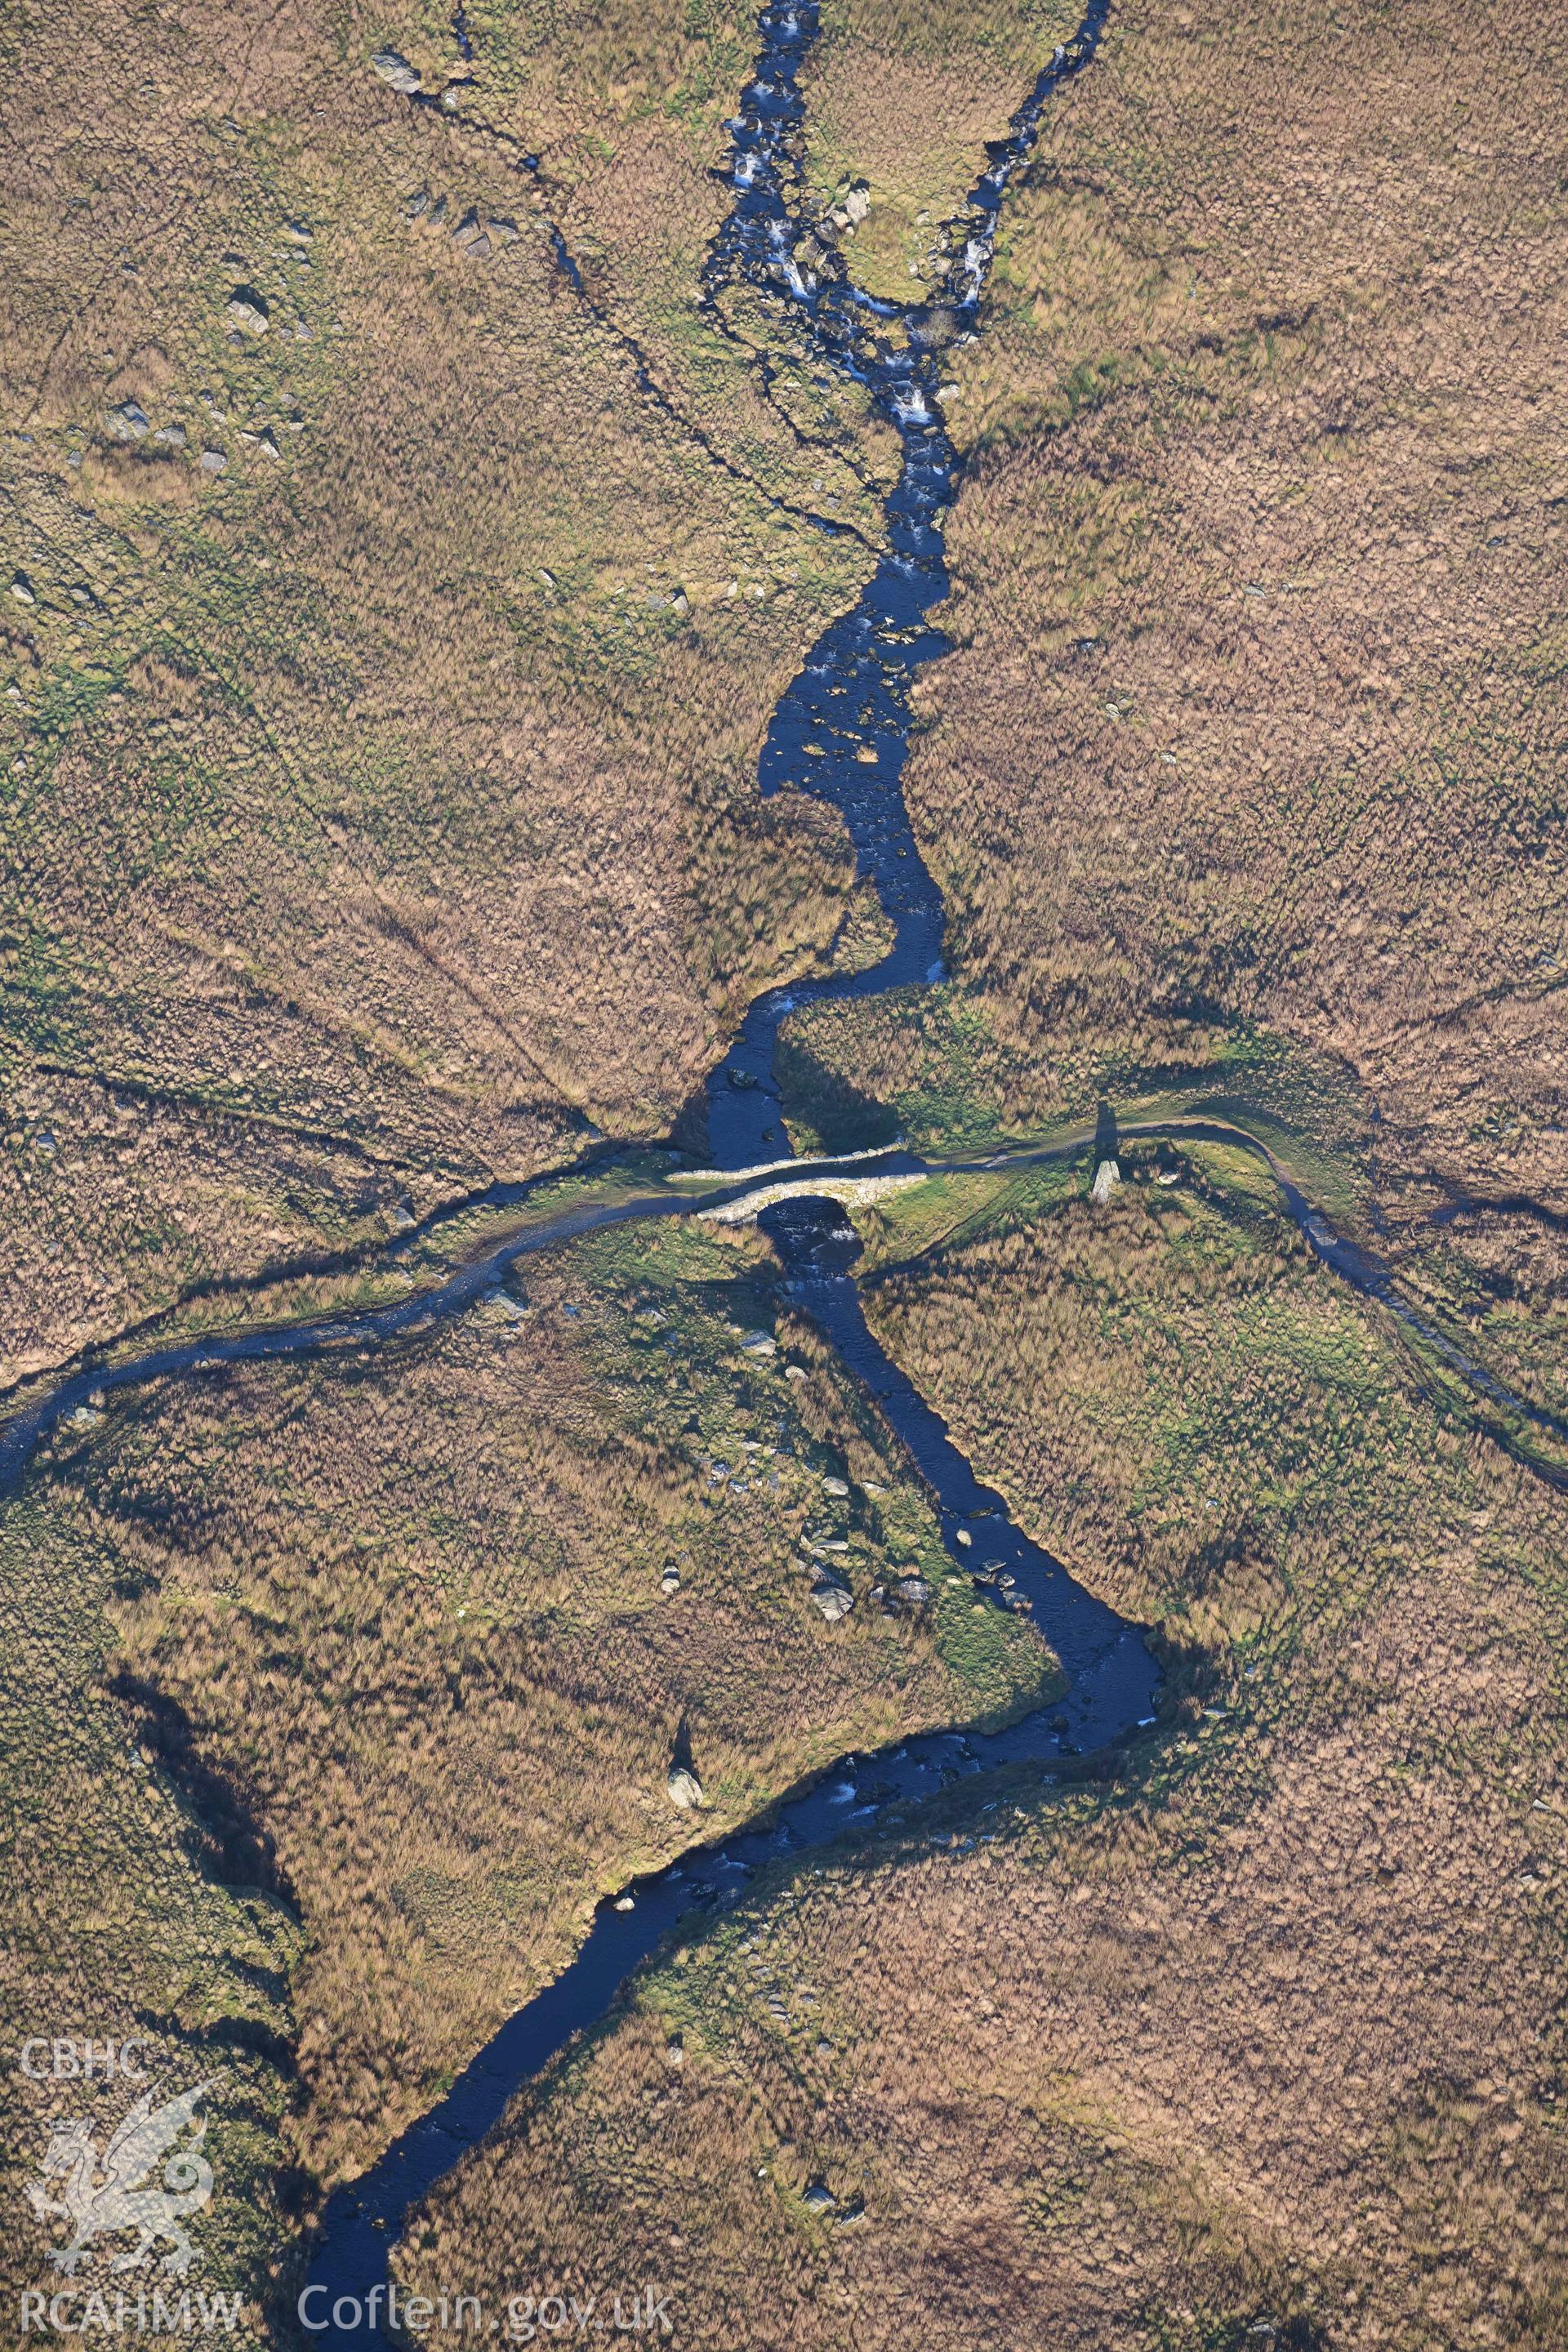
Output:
x=224 y=1839
x=690 y=1131
x=844 y=1118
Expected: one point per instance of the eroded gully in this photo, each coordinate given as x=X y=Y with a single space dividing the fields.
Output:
x=839 y=731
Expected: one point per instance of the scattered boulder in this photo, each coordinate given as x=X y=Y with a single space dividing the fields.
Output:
x=170 y=437
x=1107 y=1177
x=817 y=2197
x=214 y=461
x=395 y=71
x=247 y=312
x=834 y=1599
x=684 y=1788
x=128 y=422
x=22 y=589
x=759 y=1343
x=913 y=1590
x=835 y=1486
x=499 y=1306
x=670 y=1580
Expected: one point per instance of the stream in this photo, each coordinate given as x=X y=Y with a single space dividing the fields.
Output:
x=839 y=731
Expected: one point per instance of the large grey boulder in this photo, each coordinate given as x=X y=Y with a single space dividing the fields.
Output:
x=1107 y=1177
x=834 y=1599
x=395 y=71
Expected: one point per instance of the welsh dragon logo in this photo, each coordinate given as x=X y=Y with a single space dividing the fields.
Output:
x=102 y=2201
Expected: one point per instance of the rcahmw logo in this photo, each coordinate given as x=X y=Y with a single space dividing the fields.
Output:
x=98 y=2313
x=101 y=2199
x=151 y=2176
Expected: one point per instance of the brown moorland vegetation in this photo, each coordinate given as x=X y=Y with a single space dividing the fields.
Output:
x=1265 y=2035
x=900 y=100
x=380 y=813
x=124 y=1918
x=1256 y=716
x=393 y=1633
x=380 y=808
